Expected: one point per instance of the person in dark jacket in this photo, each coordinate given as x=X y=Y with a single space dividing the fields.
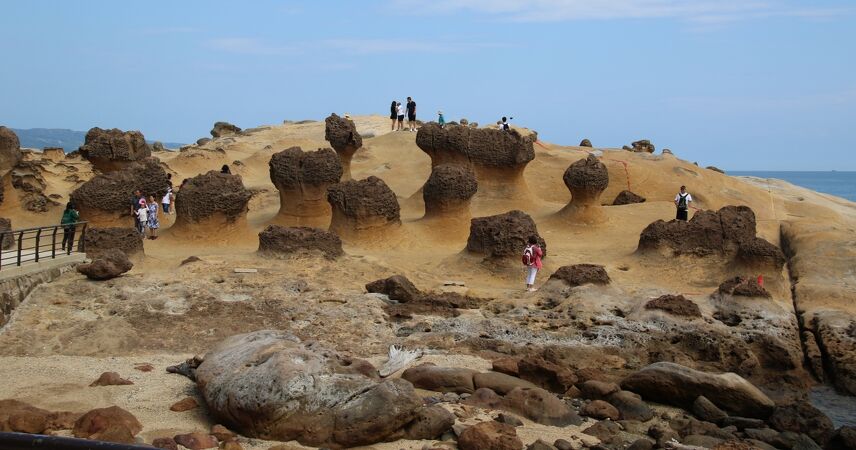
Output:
x=69 y=220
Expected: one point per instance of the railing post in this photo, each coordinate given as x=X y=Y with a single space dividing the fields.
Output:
x=20 y=240
x=2 y=238
x=81 y=245
x=38 y=239
x=53 y=243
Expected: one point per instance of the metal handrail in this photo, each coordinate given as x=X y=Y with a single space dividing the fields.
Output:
x=22 y=441
x=29 y=244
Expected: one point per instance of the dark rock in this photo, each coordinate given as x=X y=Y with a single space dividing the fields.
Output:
x=744 y=287
x=476 y=147
x=675 y=304
x=562 y=444
x=586 y=179
x=702 y=441
x=10 y=152
x=299 y=240
x=196 y=440
x=741 y=423
x=548 y=375
x=203 y=141
x=302 y=179
x=114 y=149
x=540 y=445
x=185 y=404
x=449 y=190
x=110 y=379
x=600 y=410
x=109 y=264
x=440 y=379
x=342 y=135
x=663 y=433
x=705 y=410
x=580 y=274
x=367 y=204
x=500 y=382
x=585 y=143
x=430 y=423
x=489 y=436
x=509 y=419
x=715 y=169
x=507 y=366
x=503 y=235
x=212 y=194
x=396 y=287
x=112 y=424
x=802 y=417
x=190 y=259
x=165 y=443
x=222 y=433
x=484 y=398
x=843 y=438
x=605 y=430
x=8 y=240
x=98 y=240
x=626 y=197
x=540 y=406
x=224 y=129
x=757 y=252
x=597 y=390
x=630 y=406
x=643 y=146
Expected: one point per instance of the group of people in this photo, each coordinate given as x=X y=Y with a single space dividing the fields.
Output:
x=532 y=253
x=397 y=112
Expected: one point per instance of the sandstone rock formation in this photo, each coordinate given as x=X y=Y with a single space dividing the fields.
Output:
x=302 y=179
x=224 y=129
x=105 y=200
x=580 y=274
x=110 y=150
x=364 y=208
x=585 y=143
x=729 y=232
x=502 y=235
x=675 y=384
x=675 y=304
x=111 y=424
x=28 y=179
x=108 y=264
x=448 y=191
x=497 y=157
x=642 y=146
x=743 y=287
x=213 y=199
x=270 y=385
x=490 y=436
x=10 y=154
x=586 y=179
x=98 y=240
x=8 y=240
x=277 y=240
x=626 y=198
x=342 y=135
x=396 y=287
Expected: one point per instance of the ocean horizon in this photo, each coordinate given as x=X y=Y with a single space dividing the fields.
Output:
x=833 y=182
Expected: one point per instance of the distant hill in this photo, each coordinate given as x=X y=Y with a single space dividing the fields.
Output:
x=68 y=140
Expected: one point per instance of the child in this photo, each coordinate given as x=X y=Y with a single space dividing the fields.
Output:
x=440 y=119
x=532 y=255
x=142 y=217
x=153 y=221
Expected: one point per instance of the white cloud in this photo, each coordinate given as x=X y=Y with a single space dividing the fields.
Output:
x=706 y=11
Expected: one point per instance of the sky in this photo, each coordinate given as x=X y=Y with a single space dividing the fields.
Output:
x=738 y=84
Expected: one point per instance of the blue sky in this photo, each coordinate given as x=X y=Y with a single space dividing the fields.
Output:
x=740 y=84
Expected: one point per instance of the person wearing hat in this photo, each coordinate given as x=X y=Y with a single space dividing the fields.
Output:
x=440 y=119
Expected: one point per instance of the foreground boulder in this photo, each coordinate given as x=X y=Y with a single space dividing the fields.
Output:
x=105 y=200
x=99 y=240
x=502 y=235
x=224 y=129
x=363 y=208
x=448 y=191
x=678 y=385
x=279 y=240
x=212 y=199
x=342 y=135
x=111 y=424
x=108 y=264
x=110 y=150
x=490 y=436
x=270 y=385
x=626 y=197
x=497 y=157
x=396 y=287
x=675 y=304
x=302 y=179
x=580 y=274
x=586 y=179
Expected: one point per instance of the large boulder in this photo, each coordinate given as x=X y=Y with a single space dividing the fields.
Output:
x=270 y=385
x=10 y=152
x=105 y=200
x=580 y=274
x=626 y=197
x=112 y=424
x=342 y=135
x=490 y=435
x=98 y=240
x=302 y=179
x=802 y=417
x=107 y=265
x=678 y=385
x=586 y=179
x=396 y=287
x=224 y=129
x=502 y=235
x=214 y=196
x=110 y=150
x=279 y=240
x=441 y=379
x=363 y=208
x=497 y=157
x=448 y=191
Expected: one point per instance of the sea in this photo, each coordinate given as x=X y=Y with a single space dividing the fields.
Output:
x=841 y=184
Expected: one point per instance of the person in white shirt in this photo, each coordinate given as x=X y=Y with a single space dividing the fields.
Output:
x=143 y=217
x=682 y=202
x=400 y=116
x=167 y=200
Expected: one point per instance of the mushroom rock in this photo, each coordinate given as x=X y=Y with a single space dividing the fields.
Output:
x=585 y=143
x=642 y=146
x=110 y=150
x=277 y=240
x=98 y=240
x=342 y=135
x=10 y=155
x=302 y=179
x=586 y=179
x=215 y=202
x=497 y=157
x=448 y=191
x=502 y=235
x=105 y=200
x=364 y=208
x=626 y=197
x=224 y=129
x=269 y=385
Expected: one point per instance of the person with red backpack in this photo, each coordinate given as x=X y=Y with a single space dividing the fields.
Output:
x=532 y=255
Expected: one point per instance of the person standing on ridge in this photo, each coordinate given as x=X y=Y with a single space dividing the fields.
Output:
x=69 y=218
x=503 y=124
x=393 y=113
x=400 y=111
x=440 y=119
x=682 y=203
x=532 y=255
x=411 y=114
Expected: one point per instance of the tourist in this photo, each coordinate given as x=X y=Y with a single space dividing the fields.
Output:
x=400 y=110
x=167 y=200
x=393 y=113
x=153 y=222
x=682 y=202
x=225 y=169
x=440 y=119
x=411 y=114
x=135 y=206
x=142 y=217
x=503 y=124
x=532 y=260
x=70 y=217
